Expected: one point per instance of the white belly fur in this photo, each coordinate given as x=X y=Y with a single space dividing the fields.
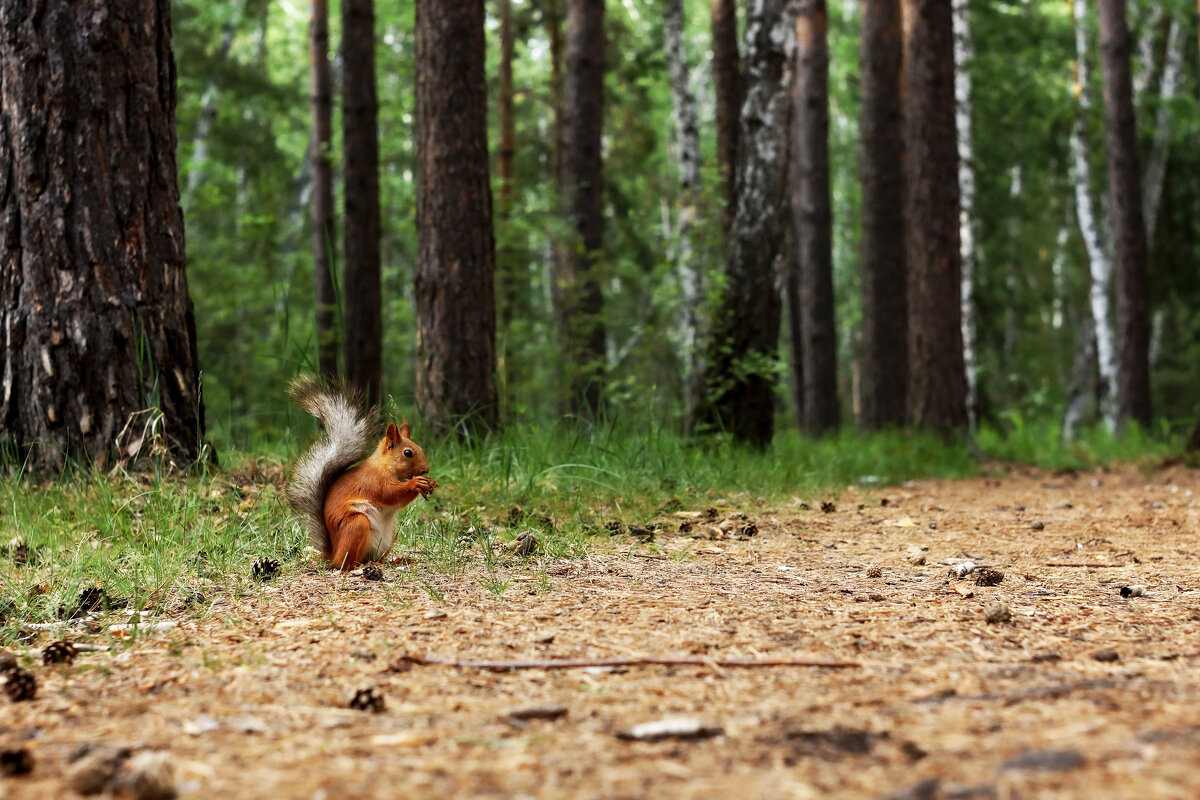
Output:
x=383 y=528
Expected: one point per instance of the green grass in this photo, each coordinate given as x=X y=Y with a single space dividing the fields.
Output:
x=156 y=542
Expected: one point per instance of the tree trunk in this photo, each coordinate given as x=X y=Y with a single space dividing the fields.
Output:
x=812 y=219
x=1128 y=221
x=883 y=396
x=506 y=267
x=727 y=78
x=95 y=319
x=687 y=142
x=360 y=142
x=578 y=301
x=937 y=391
x=1193 y=444
x=1156 y=168
x=323 y=247
x=964 y=54
x=1091 y=229
x=740 y=376
x=456 y=349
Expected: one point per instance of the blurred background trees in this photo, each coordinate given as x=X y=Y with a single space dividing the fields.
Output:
x=1043 y=218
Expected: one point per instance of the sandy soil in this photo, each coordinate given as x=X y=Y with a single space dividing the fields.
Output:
x=250 y=699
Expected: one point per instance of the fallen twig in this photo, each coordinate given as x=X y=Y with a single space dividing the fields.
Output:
x=406 y=662
x=1079 y=564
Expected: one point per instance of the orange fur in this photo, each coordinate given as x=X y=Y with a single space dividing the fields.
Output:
x=387 y=480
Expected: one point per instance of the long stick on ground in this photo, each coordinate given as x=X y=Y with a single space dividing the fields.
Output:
x=636 y=661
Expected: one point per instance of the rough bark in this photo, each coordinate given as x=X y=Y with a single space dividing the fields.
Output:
x=727 y=80
x=964 y=54
x=456 y=348
x=687 y=147
x=323 y=247
x=363 y=326
x=579 y=304
x=506 y=267
x=1090 y=228
x=812 y=219
x=884 y=388
x=937 y=391
x=95 y=321
x=740 y=374
x=1128 y=221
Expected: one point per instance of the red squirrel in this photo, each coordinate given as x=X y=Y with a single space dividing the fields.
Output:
x=350 y=510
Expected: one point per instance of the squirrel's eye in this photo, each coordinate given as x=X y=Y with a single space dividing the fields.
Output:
x=408 y=453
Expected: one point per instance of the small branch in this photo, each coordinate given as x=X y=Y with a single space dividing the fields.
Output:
x=1080 y=564
x=406 y=662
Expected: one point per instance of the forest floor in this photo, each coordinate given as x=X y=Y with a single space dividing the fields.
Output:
x=1083 y=693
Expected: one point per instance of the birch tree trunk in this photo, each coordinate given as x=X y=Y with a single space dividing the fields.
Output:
x=740 y=373
x=323 y=247
x=1099 y=265
x=96 y=326
x=964 y=54
x=1128 y=218
x=937 y=391
x=812 y=234
x=687 y=144
x=208 y=105
x=1156 y=167
x=884 y=387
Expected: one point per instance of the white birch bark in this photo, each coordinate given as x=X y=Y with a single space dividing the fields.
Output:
x=964 y=53
x=1156 y=165
x=208 y=108
x=687 y=147
x=1143 y=64
x=1011 y=279
x=1099 y=263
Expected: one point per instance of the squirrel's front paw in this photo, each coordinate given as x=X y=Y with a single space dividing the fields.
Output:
x=426 y=486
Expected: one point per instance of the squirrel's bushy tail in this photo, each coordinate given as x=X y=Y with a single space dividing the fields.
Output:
x=349 y=435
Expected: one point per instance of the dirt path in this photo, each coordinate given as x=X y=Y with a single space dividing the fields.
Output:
x=249 y=701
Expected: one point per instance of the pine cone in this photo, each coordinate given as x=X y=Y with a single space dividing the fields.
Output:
x=988 y=577
x=367 y=699
x=17 y=761
x=265 y=569
x=60 y=652
x=91 y=598
x=19 y=551
x=8 y=663
x=372 y=572
x=20 y=685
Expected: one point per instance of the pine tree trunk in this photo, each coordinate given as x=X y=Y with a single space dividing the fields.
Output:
x=812 y=219
x=964 y=54
x=456 y=351
x=740 y=378
x=727 y=78
x=687 y=143
x=937 y=391
x=578 y=301
x=883 y=395
x=360 y=142
x=1128 y=221
x=96 y=325
x=507 y=278
x=1193 y=444
x=1091 y=229
x=323 y=247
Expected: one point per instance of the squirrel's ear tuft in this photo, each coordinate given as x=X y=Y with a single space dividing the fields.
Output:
x=405 y=431
x=393 y=433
